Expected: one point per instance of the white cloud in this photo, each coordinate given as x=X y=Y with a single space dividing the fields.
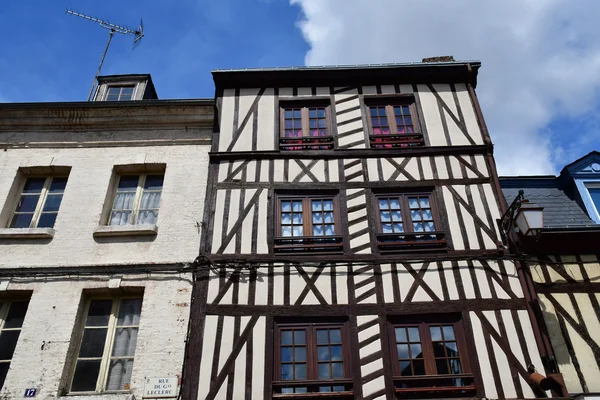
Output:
x=541 y=61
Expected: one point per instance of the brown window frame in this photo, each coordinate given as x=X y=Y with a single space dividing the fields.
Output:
x=308 y=243
x=409 y=240
x=395 y=140
x=312 y=381
x=431 y=384
x=305 y=142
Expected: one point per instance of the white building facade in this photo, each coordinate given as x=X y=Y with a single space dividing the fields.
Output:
x=100 y=224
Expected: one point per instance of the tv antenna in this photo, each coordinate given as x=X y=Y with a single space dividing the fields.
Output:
x=138 y=34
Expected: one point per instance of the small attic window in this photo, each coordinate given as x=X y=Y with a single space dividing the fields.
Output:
x=120 y=93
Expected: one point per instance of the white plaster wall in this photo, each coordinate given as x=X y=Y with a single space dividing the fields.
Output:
x=179 y=218
x=51 y=319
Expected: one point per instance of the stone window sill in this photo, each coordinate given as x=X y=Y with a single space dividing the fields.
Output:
x=125 y=230
x=26 y=233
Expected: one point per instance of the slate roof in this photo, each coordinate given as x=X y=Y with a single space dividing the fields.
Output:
x=559 y=209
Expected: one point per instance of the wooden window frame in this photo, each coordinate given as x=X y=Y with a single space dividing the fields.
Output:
x=395 y=140
x=41 y=201
x=431 y=384
x=142 y=176
x=4 y=310
x=410 y=243
x=308 y=243
x=307 y=142
x=108 y=344
x=312 y=362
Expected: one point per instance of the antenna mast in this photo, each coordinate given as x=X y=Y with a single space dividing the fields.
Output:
x=137 y=37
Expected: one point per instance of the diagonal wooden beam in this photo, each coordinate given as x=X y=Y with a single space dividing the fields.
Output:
x=419 y=282
x=400 y=169
x=240 y=221
x=494 y=275
x=233 y=173
x=310 y=285
x=253 y=108
x=456 y=120
x=469 y=166
x=230 y=362
x=306 y=170
x=473 y=213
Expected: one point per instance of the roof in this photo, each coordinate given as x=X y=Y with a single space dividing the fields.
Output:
x=342 y=75
x=560 y=210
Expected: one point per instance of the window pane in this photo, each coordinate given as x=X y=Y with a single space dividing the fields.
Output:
x=34 y=185
x=125 y=341
x=129 y=312
x=455 y=367
x=335 y=336
x=385 y=216
x=27 y=203
x=435 y=333
x=413 y=202
x=3 y=372
x=419 y=367
x=442 y=366
x=402 y=351
x=147 y=217
x=413 y=334
x=297 y=218
x=299 y=337
x=395 y=204
x=16 y=314
x=52 y=202
x=154 y=182
x=322 y=336
x=438 y=349
x=92 y=343
x=99 y=313
x=415 y=351
x=324 y=372
x=119 y=374
x=405 y=368
x=318 y=230
x=150 y=200
x=86 y=376
x=47 y=220
x=120 y=218
x=328 y=205
x=286 y=354
x=448 y=332
x=329 y=230
x=386 y=228
x=396 y=216
x=8 y=342
x=424 y=201
x=286 y=231
x=451 y=349
x=401 y=335
x=300 y=354
x=21 y=221
x=298 y=231
x=328 y=217
x=300 y=371
x=286 y=206
x=287 y=372
x=336 y=353
x=58 y=185
x=296 y=206
x=124 y=201
x=286 y=337
x=323 y=353
x=383 y=204
x=129 y=182
x=337 y=370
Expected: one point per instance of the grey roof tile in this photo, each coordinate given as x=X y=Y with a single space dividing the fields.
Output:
x=559 y=209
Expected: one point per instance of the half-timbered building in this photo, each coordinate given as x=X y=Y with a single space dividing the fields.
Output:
x=351 y=247
x=564 y=267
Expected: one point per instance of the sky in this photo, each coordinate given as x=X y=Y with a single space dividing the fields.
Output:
x=539 y=85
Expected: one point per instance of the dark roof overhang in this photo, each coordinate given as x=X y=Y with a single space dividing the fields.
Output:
x=408 y=73
x=562 y=240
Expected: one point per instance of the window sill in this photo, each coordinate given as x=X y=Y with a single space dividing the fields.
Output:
x=26 y=233
x=99 y=396
x=125 y=230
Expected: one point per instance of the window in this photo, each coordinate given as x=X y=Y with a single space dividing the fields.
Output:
x=107 y=348
x=312 y=358
x=308 y=223
x=305 y=128
x=430 y=356
x=119 y=93
x=137 y=200
x=39 y=202
x=407 y=222
x=12 y=314
x=394 y=123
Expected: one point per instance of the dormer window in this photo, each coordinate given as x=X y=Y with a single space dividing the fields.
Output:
x=120 y=93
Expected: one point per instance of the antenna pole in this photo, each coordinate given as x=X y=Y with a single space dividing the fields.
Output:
x=112 y=32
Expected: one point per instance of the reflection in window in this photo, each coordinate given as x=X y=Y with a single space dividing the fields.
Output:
x=39 y=202
x=305 y=128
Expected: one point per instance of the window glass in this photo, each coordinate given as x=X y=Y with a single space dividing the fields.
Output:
x=137 y=200
x=39 y=202
x=13 y=315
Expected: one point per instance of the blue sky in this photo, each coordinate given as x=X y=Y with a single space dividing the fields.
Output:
x=539 y=85
x=52 y=56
